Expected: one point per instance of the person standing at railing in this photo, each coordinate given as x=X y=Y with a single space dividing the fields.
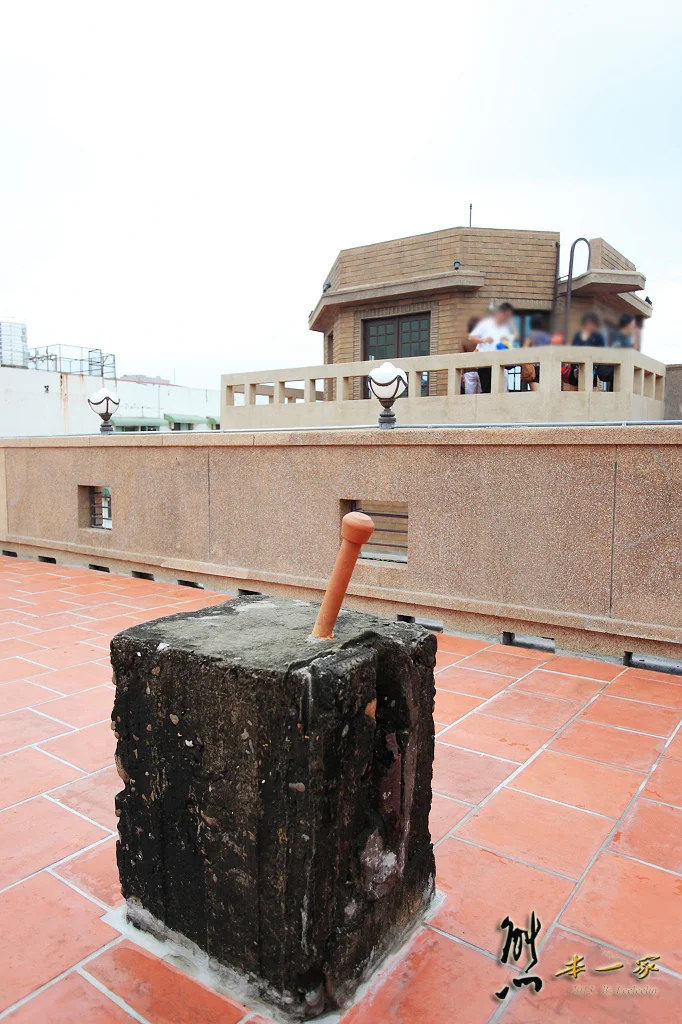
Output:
x=625 y=335
x=537 y=337
x=493 y=332
x=589 y=336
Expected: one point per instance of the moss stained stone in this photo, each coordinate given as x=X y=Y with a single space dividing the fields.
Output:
x=277 y=790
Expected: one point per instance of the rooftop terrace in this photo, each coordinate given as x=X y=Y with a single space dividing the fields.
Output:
x=557 y=790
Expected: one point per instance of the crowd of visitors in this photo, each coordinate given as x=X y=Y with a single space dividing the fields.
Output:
x=498 y=331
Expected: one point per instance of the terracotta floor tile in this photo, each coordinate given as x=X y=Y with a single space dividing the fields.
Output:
x=559 y=999
x=28 y=772
x=549 y=835
x=511 y=740
x=83 y=708
x=20 y=728
x=610 y=746
x=445 y=814
x=106 y=611
x=65 y=657
x=460 y=644
x=158 y=991
x=63 y=635
x=674 y=748
x=473 y=682
x=57 y=925
x=93 y=796
x=444 y=659
x=115 y=624
x=482 y=888
x=602 y=788
x=37 y=833
x=631 y=714
x=96 y=873
x=17 y=668
x=10 y=630
x=20 y=694
x=59 y=620
x=91 y=748
x=522 y=652
x=651 y=832
x=583 y=667
x=437 y=981
x=73 y=1000
x=668 y=695
x=532 y=709
x=656 y=677
x=17 y=648
x=555 y=684
x=666 y=782
x=631 y=906
x=465 y=775
x=78 y=677
x=451 y=706
x=499 y=661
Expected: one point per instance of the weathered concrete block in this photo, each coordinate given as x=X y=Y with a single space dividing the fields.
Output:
x=277 y=790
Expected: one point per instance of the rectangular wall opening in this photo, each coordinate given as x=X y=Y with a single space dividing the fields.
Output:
x=653 y=663
x=388 y=543
x=142 y=575
x=47 y=558
x=533 y=643
x=94 y=507
x=10 y=554
x=190 y=583
x=100 y=568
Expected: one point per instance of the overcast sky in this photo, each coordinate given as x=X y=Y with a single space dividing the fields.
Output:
x=177 y=178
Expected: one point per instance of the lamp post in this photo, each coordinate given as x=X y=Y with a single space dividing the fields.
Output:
x=104 y=403
x=387 y=383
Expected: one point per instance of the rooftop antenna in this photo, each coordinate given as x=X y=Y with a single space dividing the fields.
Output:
x=470 y=208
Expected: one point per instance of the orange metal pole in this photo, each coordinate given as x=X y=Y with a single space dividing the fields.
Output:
x=356 y=529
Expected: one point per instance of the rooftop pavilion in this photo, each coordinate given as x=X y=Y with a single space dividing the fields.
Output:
x=557 y=788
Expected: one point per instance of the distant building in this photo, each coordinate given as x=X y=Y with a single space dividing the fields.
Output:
x=140 y=378
x=53 y=399
x=13 y=344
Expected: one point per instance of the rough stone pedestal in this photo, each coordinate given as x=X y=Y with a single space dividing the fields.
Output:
x=277 y=790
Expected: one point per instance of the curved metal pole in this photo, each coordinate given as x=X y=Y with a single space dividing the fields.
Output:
x=569 y=283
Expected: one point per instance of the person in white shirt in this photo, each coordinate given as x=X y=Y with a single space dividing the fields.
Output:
x=490 y=333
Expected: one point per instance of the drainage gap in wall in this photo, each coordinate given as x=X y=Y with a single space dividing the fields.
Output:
x=248 y=593
x=534 y=643
x=100 y=568
x=142 y=575
x=10 y=554
x=47 y=558
x=405 y=618
x=191 y=583
x=653 y=663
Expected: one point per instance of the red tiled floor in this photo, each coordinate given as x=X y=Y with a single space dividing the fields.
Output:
x=473 y=682
x=666 y=782
x=611 y=746
x=437 y=981
x=631 y=906
x=20 y=728
x=65 y=656
x=451 y=706
x=583 y=667
x=651 y=832
x=83 y=708
x=482 y=888
x=632 y=714
x=668 y=695
x=79 y=677
x=10 y=630
x=73 y=1000
x=674 y=748
x=17 y=648
x=511 y=740
x=91 y=748
x=27 y=772
x=63 y=635
x=444 y=658
x=499 y=661
x=602 y=788
x=17 y=668
x=158 y=991
x=521 y=652
x=38 y=833
x=93 y=796
x=445 y=813
x=649 y=674
x=462 y=645
x=20 y=694
x=57 y=926
x=467 y=776
x=95 y=872
x=546 y=712
x=561 y=998
x=539 y=832
x=555 y=684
